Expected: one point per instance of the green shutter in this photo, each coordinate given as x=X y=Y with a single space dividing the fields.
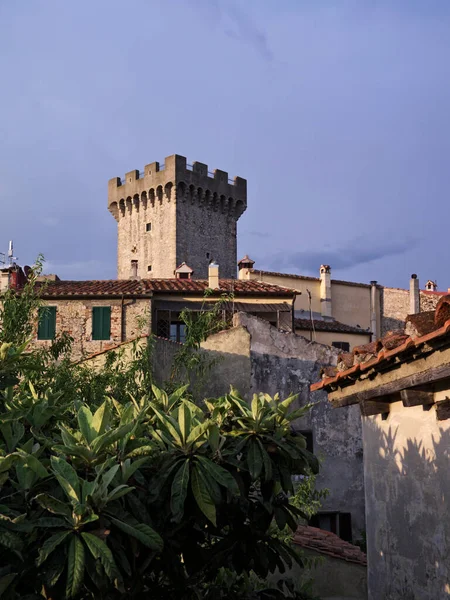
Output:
x=47 y=323
x=101 y=322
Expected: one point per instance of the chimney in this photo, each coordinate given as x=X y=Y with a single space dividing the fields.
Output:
x=325 y=290
x=213 y=276
x=373 y=310
x=245 y=265
x=414 y=295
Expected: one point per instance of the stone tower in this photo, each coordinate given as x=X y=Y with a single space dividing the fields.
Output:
x=174 y=213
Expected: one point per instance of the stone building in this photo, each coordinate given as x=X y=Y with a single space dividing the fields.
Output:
x=100 y=314
x=174 y=213
x=402 y=386
x=345 y=313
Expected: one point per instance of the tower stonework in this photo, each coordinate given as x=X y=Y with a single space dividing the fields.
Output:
x=174 y=213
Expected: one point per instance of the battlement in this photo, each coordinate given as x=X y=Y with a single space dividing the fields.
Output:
x=175 y=178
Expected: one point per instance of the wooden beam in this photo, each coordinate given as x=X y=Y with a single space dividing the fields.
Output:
x=443 y=409
x=414 y=397
x=392 y=387
x=370 y=408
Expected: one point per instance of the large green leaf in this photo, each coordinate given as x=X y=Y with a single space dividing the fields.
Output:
x=184 y=420
x=10 y=540
x=110 y=437
x=85 y=424
x=53 y=505
x=254 y=459
x=75 y=567
x=197 y=433
x=6 y=462
x=266 y=461
x=221 y=475
x=145 y=534
x=201 y=495
x=100 y=551
x=49 y=545
x=34 y=463
x=67 y=477
x=5 y=581
x=102 y=418
x=179 y=491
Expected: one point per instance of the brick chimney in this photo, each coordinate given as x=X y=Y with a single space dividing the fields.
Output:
x=213 y=276
x=325 y=290
x=414 y=295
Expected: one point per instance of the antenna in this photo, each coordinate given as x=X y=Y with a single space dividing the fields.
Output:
x=11 y=257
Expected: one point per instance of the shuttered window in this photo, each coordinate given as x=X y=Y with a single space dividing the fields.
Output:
x=47 y=323
x=101 y=322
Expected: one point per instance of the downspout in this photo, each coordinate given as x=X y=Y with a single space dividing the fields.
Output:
x=293 y=312
x=122 y=315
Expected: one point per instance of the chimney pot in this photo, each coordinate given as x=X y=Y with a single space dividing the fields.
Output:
x=325 y=290
x=213 y=275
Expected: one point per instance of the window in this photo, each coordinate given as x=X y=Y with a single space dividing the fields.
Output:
x=149 y=268
x=101 y=322
x=207 y=255
x=134 y=268
x=178 y=332
x=47 y=323
x=345 y=346
x=336 y=522
x=184 y=275
x=148 y=227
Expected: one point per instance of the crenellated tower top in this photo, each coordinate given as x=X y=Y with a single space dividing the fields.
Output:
x=185 y=208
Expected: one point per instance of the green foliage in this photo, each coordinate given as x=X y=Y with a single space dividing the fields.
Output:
x=112 y=488
x=191 y=365
x=16 y=309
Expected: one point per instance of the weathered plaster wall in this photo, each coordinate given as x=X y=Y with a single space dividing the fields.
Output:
x=332 y=578
x=407 y=466
x=287 y=363
x=327 y=338
x=351 y=304
x=75 y=318
x=267 y=360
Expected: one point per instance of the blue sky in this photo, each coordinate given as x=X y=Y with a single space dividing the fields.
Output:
x=336 y=112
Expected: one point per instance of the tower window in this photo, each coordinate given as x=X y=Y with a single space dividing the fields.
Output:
x=148 y=227
x=207 y=255
x=149 y=268
x=134 y=268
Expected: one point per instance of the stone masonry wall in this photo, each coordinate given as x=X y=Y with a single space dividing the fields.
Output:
x=394 y=304
x=192 y=212
x=75 y=318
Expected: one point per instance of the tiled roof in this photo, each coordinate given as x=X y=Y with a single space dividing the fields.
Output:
x=328 y=543
x=332 y=326
x=389 y=351
x=148 y=287
x=421 y=323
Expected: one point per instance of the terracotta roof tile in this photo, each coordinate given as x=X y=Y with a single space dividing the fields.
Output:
x=147 y=287
x=402 y=346
x=328 y=543
x=420 y=323
x=332 y=326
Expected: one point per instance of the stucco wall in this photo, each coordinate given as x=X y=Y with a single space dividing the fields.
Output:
x=350 y=304
x=75 y=318
x=327 y=338
x=287 y=363
x=407 y=466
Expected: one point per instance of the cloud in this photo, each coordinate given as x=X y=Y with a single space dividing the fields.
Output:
x=237 y=24
x=358 y=251
x=260 y=234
